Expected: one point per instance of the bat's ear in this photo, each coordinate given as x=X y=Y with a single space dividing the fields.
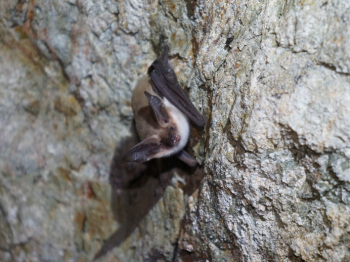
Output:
x=143 y=151
x=184 y=156
x=158 y=109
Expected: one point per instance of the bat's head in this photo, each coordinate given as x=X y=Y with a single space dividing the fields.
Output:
x=170 y=137
x=173 y=122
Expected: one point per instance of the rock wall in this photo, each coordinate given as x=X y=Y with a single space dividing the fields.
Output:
x=273 y=80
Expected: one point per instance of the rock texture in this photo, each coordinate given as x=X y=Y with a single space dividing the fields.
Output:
x=273 y=80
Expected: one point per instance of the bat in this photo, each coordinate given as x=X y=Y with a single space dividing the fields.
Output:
x=162 y=111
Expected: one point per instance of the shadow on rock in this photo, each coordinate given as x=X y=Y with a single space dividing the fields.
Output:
x=136 y=188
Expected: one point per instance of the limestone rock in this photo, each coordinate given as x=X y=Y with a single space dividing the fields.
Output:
x=273 y=80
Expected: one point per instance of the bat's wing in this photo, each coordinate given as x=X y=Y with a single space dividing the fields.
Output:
x=165 y=84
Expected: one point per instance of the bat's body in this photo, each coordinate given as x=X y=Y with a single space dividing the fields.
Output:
x=146 y=122
x=161 y=110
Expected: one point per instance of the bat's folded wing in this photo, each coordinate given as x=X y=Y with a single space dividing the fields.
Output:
x=165 y=84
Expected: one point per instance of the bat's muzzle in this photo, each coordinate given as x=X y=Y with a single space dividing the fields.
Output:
x=175 y=139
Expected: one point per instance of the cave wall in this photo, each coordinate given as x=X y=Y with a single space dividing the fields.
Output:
x=272 y=79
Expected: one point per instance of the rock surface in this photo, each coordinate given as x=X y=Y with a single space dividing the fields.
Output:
x=273 y=80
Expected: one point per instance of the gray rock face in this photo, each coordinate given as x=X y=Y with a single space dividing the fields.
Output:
x=273 y=80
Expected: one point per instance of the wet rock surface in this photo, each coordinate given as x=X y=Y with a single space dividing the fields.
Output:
x=271 y=77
